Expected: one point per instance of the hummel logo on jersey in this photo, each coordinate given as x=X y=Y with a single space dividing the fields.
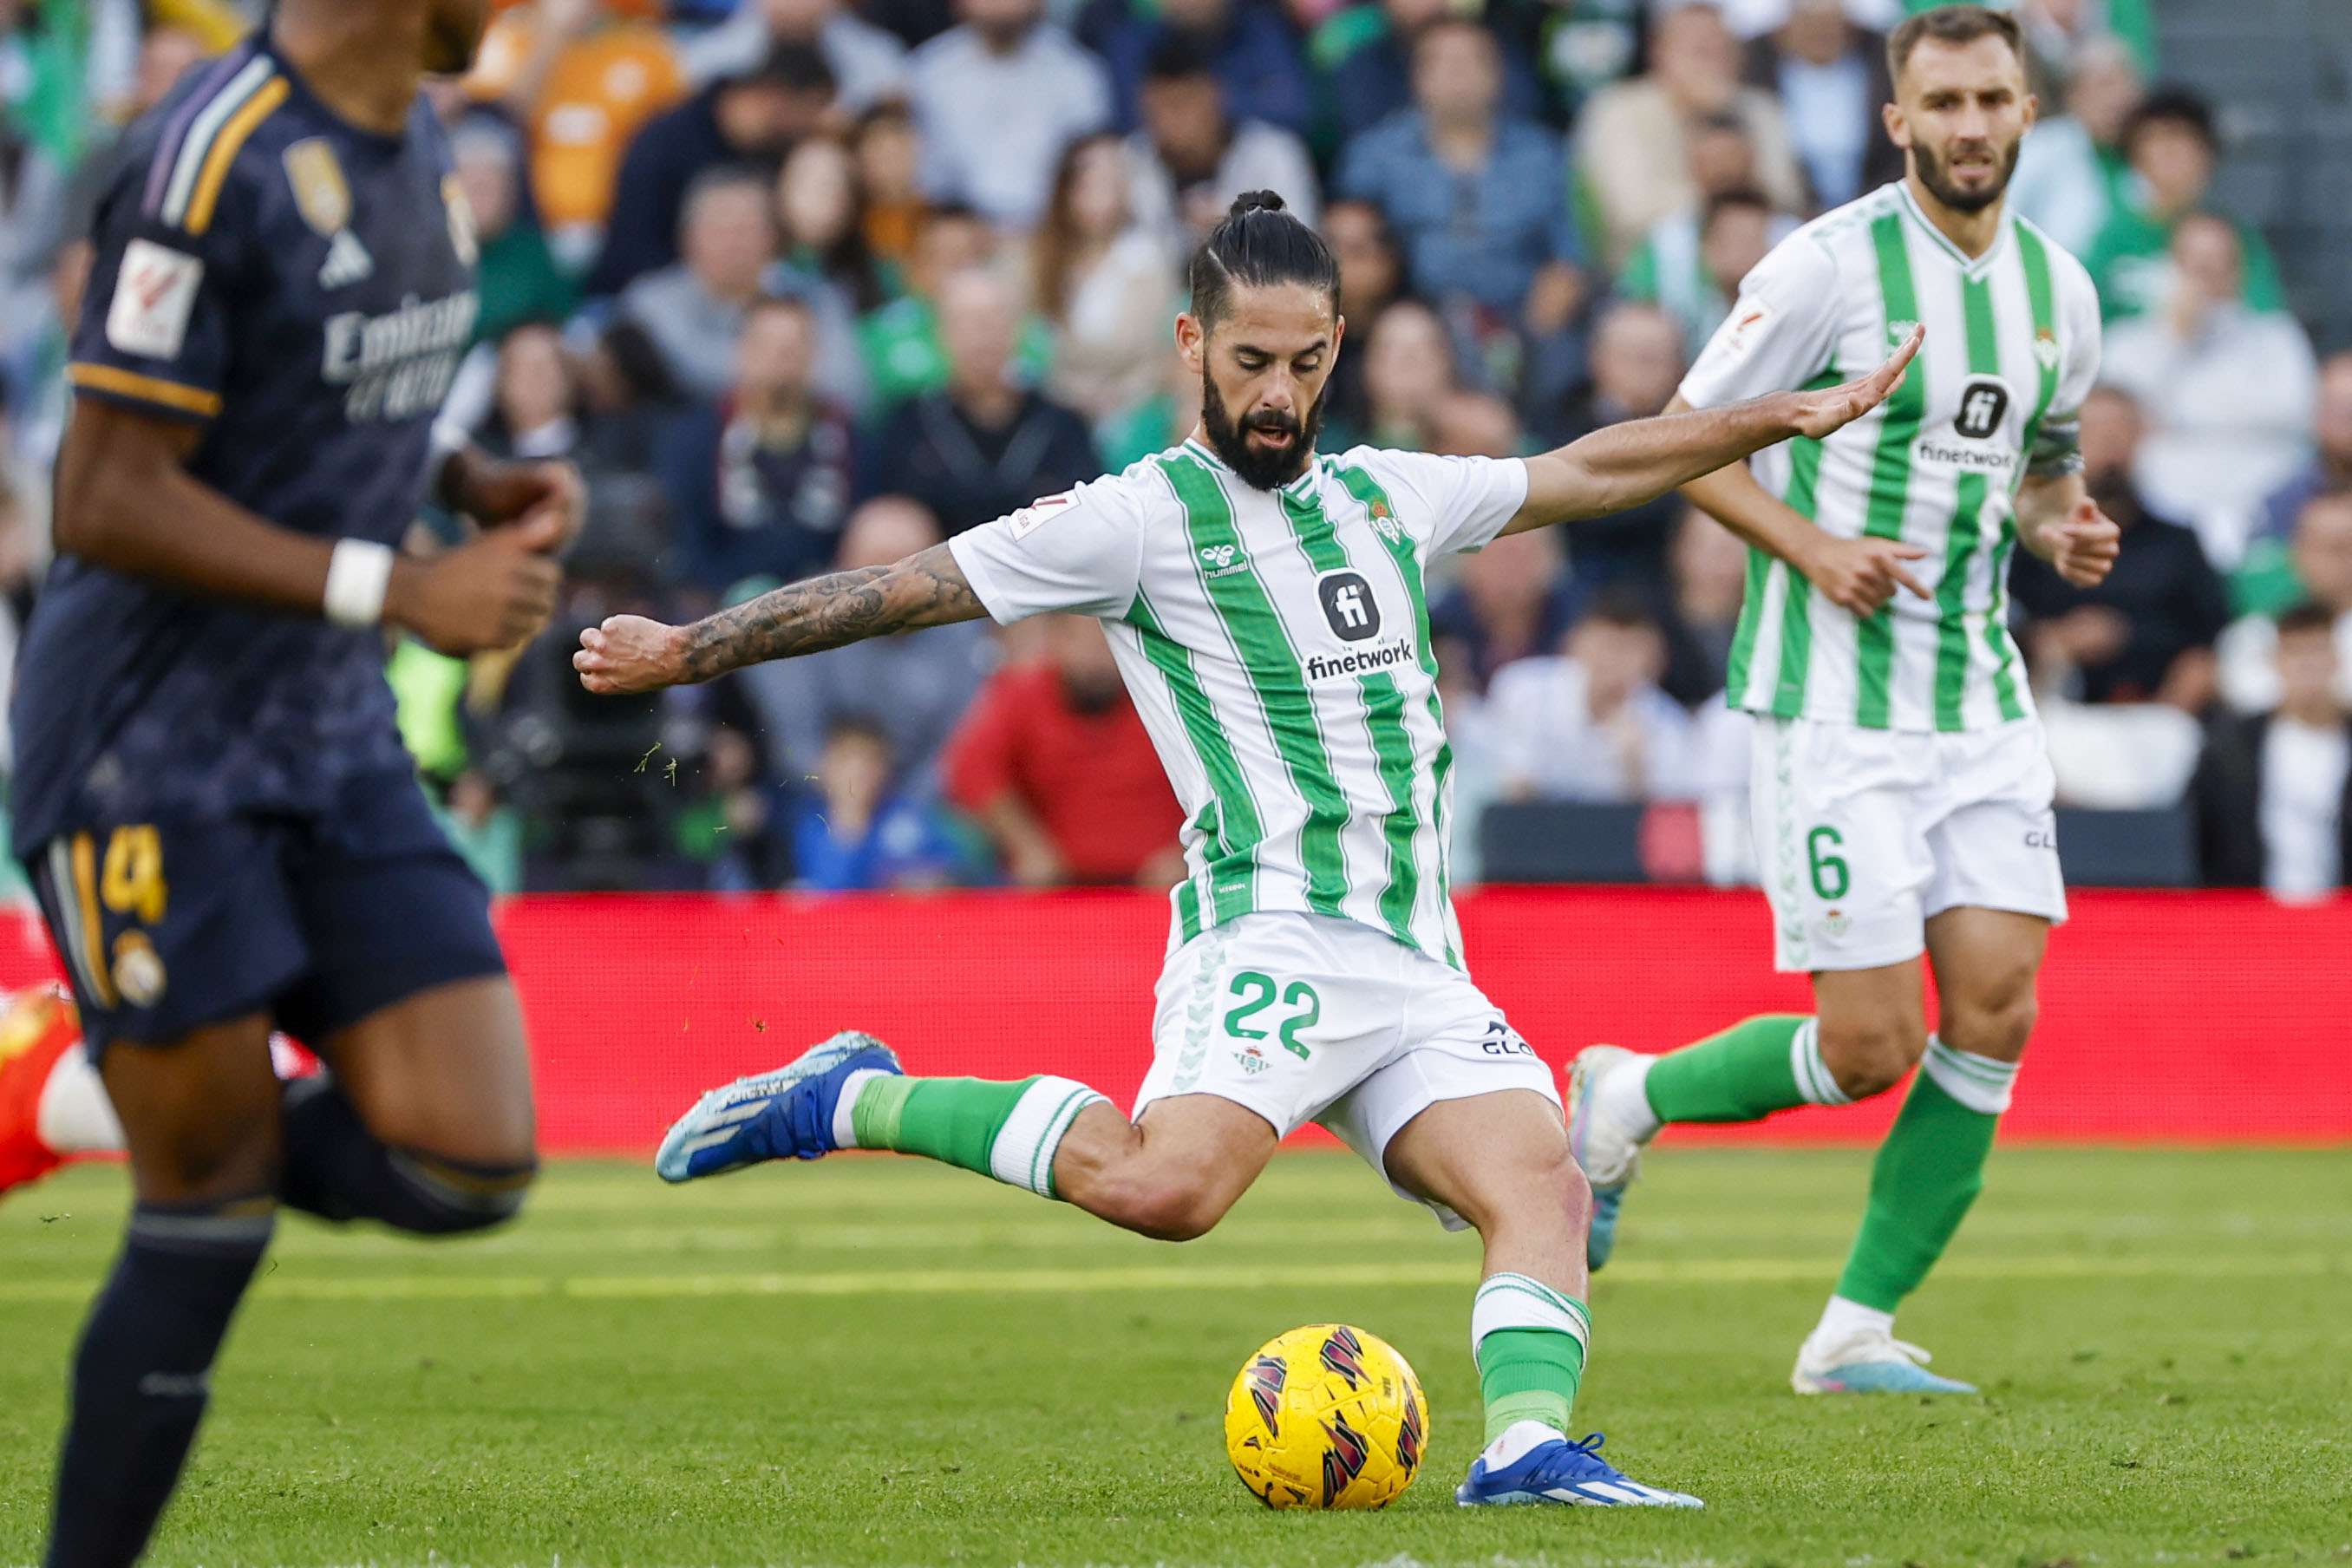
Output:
x=1224 y=560
x=347 y=262
x=1982 y=404
x=1349 y=605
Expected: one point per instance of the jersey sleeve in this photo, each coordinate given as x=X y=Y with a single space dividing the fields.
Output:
x=1466 y=499
x=157 y=322
x=1782 y=330
x=1079 y=553
x=2057 y=440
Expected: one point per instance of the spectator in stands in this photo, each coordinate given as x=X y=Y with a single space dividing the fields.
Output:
x=1367 y=55
x=1691 y=265
x=1477 y=197
x=1473 y=424
x=735 y=827
x=889 y=181
x=1408 y=369
x=1637 y=361
x=856 y=828
x=1055 y=765
x=915 y=689
x=1710 y=584
x=2229 y=391
x=869 y=63
x=2145 y=634
x=1244 y=42
x=998 y=97
x=1590 y=723
x=1107 y=288
x=2273 y=790
x=581 y=78
x=985 y=445
x=1632 y=138
x=822 y=232
x=2173 y=147
x=693 y=310
x=1192 y=157
x=900 y=342
x=1830 y=79
x=516 y=280
x=1371 y=274
x=2330 y=467
x=2071 y=176
x=2322 y=558
x=2059 y=32
x=1159 y=422
x=1510 y=601
x=760 y=479
x=535 y=414
x=33 y=209
x=746 y=121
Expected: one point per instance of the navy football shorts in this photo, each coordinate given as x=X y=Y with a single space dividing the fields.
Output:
x=317 y=919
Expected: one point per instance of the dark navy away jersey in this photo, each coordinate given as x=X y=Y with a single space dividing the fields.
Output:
x=303 y=289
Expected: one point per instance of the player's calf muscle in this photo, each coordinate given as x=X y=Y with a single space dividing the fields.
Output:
x=1115 y=1171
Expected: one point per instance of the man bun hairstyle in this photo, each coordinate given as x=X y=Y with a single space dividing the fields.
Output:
x=1259 y=242
x=1951 y=25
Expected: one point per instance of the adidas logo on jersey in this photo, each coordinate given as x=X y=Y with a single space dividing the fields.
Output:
x=347 y=262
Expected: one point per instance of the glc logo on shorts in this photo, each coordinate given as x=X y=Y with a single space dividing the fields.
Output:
x=1224 y=560
x=1349 y=605
x=1502 y=1040
x=1983 y=402
x=2041 y=838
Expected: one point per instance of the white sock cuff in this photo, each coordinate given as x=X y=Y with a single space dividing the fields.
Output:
x=844 y=1131
x=1516 y=1301
x=1023 y=1154
x=1842 y=1319
x=1814 y=1079
x=1981 y=1083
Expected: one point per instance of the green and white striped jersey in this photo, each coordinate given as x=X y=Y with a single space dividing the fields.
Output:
x=2012 y=349
x=1276 y=643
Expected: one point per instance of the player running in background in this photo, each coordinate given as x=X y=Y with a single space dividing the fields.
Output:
x=224 y=831
x=1900 y=790
x=1267 y=611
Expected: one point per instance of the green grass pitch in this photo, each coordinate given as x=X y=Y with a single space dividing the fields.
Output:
x=880 y=1362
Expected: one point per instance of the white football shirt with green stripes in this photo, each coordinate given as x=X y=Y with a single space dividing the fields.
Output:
x=1276 y=644
x=2012 y=349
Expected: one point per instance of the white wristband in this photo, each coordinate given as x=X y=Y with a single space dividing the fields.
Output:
x=358 y=574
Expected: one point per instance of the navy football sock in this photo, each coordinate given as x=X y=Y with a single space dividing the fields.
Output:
x=336 y=1169
x=140 y=1376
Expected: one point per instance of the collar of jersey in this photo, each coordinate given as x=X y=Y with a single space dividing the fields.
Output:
x=1972 y=267
x=1201 y=450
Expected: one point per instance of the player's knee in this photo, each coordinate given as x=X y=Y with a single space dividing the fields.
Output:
x=1996 y=1026
x=1163 y=1208
x=453 y=1197
x=1869 y=1056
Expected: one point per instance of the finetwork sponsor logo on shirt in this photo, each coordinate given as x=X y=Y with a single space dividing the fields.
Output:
x=1363 y=661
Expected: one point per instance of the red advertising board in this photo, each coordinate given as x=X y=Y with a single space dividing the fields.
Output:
x=2190 y=1017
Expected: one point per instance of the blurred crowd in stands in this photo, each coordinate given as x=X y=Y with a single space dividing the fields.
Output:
x=810 y=284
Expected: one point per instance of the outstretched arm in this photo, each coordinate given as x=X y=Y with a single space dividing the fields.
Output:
x=630 y=653
x=1626 y=464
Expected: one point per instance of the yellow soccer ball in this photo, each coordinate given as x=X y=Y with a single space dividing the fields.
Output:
x=1326 y=1416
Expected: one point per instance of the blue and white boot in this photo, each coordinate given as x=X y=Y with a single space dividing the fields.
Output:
x=1607 y=1148
x=1867 y=1361
x=1540 y=1466
x=785 y=1113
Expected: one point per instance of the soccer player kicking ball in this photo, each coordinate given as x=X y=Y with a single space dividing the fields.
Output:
x=1901 y=791
x=223 y=827
x=1266 y=607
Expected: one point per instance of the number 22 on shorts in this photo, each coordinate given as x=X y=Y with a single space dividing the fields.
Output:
x=1256 y=992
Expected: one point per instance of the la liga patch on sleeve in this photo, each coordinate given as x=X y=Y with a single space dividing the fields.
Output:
x=154 y=293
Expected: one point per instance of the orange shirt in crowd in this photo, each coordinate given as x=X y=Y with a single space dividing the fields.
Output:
x=1092 y=779
x=599 y=91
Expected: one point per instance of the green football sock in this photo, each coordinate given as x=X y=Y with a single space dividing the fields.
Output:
x=1755 y=1067
x=1927 y=1172
x=1530 y=1342
x=1008 y=1131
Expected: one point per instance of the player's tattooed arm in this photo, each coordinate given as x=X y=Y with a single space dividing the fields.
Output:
x=630 y=653
x=1637 y=461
